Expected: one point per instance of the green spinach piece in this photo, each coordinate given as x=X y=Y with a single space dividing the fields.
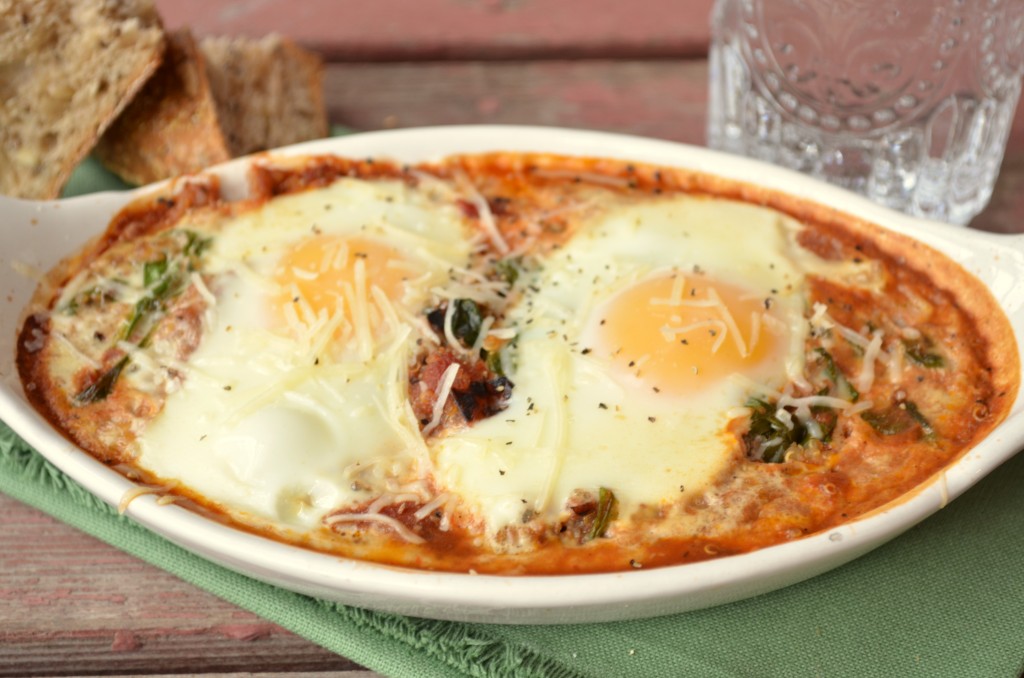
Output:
x=844 y=389
x=466 y=321
x=508 y=269
x=918 y=351
x=102 y=387
x=898 y=419
x=769 y=434
x=606 y=503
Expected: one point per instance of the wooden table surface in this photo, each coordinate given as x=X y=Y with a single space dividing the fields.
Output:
x=70 y=605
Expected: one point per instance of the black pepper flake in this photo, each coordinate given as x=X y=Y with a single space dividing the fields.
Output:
x=652 y=419
x=684 y=342
x=501 y=472
x=602 y=406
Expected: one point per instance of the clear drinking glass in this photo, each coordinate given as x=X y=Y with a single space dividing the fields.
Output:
x=909 y=102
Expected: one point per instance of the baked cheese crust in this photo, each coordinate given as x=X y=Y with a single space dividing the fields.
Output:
x=458 y=340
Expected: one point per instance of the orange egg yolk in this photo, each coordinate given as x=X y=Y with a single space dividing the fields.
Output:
x=680 y=335
x=325 y=272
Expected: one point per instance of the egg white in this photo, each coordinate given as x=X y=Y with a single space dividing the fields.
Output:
x=576 y=422
x=288 y=423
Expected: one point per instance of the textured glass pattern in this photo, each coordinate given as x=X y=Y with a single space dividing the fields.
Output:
x=909 y=103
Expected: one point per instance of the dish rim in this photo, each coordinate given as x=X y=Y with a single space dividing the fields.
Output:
x=532 y=599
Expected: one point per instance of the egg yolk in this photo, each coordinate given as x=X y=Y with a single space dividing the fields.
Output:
x=325 y=272
x=680 y=335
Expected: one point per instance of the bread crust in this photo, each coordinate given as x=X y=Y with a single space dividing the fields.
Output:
x=172 y=127
x=214 y=100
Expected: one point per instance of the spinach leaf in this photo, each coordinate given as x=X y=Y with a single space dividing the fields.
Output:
x=918 y=351
x=844 y=389
x=898 y=419
x=492 y=359
x=195 y=244
x=102 y=387
x=606 y=504
x=508 y=269
x=768 y=436
x=466 y=321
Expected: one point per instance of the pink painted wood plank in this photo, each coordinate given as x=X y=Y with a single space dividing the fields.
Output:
x=657 y=98
x=70 y=604
x=465 y=29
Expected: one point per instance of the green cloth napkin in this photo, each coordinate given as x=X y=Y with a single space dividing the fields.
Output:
x=944 y=599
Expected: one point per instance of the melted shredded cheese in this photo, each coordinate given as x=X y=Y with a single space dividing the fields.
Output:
x=755 y=329
x=140 y=490
x=388 y=499
x=447 y=380
x=485 y=328
x=202 y=289
x=68 y=344
x=670 y=333
x=431 y=506
x=361 y=311
x=387 y=521
x=866 y=378
x=554 y=429
x=730 y=322
x=485 y=216
x=449 y=334
x=675 y=297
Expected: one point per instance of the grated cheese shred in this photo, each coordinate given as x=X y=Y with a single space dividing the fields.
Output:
x=447 y=380
x=431 y=506
x=387 y=521
x=730 y=322
x=486 y=217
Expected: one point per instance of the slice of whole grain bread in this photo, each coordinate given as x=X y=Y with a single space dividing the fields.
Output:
x=269 y=91
x=172 y=125
x=67 y=68
x=229 y=97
